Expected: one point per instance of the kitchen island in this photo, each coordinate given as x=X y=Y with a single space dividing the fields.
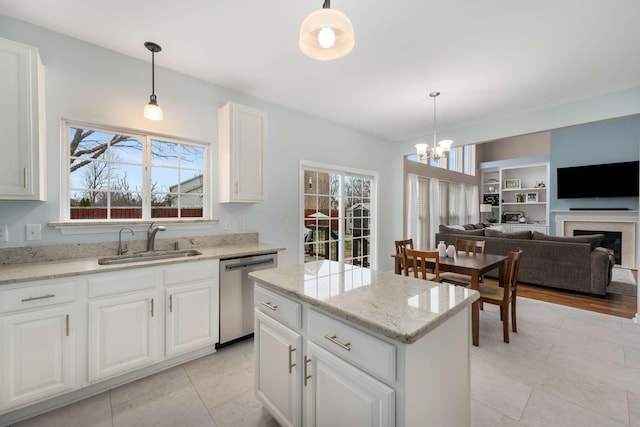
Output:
x=338 y=344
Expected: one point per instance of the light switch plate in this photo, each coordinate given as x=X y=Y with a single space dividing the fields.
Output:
x=4 y=233
x=34 y=231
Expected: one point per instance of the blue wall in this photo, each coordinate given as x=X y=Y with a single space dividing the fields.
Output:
x=604 y=142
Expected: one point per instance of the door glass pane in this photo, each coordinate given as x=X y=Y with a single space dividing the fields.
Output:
x=337 y=209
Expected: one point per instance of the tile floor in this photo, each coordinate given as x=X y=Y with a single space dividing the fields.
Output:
x=565 y=367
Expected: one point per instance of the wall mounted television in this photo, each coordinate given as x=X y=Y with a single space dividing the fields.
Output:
x=604 y=180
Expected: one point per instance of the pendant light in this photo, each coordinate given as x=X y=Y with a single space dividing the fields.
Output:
x=439 y=149
x=326 y=34
x=152 y=111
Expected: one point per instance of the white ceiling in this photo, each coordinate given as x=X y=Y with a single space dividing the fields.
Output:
x=488 y=58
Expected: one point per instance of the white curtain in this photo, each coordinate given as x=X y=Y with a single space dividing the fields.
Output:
x=463 y=214
x=412 y=207
x=434 y=210
x=475 y=205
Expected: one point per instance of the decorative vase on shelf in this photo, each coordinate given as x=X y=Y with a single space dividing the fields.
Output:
x=442 y=248
x=451 y=251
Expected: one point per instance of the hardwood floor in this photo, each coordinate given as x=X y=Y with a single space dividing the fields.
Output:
x=615 y=305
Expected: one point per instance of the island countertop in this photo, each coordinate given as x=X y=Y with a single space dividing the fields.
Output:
x=400 y=308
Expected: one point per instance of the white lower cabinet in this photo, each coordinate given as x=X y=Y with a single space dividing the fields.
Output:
x=37 y=341
x=189 y=317
x=278 y=367
x=338 y=394
x=38 y=351
x=100 y=329
x=312 y=386
x=122 y=334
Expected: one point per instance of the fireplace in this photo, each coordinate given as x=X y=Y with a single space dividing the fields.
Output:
x=612 y=240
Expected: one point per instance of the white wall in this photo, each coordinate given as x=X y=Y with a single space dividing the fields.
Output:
x=91 y=84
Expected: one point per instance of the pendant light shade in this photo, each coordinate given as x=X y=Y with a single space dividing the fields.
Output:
x=152 y=111
x=326 y=34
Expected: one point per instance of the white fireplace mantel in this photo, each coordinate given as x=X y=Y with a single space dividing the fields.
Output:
x=629 y=220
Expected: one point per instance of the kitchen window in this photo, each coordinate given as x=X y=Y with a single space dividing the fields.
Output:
x=338 y=214
x=117 y=174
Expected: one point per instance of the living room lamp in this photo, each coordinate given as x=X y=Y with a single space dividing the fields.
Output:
x=439 y=149
x=486 y=208
x=152 y=111
x=326 y=34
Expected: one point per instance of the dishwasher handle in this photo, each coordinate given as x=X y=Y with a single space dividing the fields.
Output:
x=240 y=265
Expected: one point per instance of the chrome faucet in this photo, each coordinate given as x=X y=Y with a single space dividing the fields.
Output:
x=151 y=236
x=123 y=249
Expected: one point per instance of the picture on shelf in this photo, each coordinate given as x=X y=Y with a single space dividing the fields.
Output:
x=512 y=217
x=491 y=199
x=532 y=197
x=512 y=184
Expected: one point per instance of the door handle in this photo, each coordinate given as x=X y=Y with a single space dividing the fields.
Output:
x=291 y=365
x=306 y=363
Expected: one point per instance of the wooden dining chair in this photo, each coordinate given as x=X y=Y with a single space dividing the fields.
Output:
x=503 y=296
x=418 y=260
x=468 y=246
x=400 y=246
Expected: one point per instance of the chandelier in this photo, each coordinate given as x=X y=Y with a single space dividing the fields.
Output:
x=439 y=149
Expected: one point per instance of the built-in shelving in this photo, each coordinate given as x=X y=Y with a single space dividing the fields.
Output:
x=528 y=179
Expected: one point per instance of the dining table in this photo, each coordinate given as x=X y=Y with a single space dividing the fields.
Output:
x=473 y=265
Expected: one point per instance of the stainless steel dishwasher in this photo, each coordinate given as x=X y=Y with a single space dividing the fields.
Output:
x=236 y=295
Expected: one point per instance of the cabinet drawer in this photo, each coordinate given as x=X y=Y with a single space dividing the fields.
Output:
x=370 y=353
x=190 y=272
x=122 y=282
x=278 y=307
x=37 y=294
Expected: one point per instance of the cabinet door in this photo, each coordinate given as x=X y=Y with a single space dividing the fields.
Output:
x=278 y=383
x=22 y=132
x=338 y=394
x=37 y=355
x=242 y=141
x=191 y=320
x=122 y=334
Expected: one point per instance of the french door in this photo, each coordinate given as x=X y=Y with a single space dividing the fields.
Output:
x=338 y=214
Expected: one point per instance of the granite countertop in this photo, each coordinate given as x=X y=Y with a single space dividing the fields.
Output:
x=398 y=307
x=29 y=271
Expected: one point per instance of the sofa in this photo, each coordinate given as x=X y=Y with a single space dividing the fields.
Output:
x=573 y=263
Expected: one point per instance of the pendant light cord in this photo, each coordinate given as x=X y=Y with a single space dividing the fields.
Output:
x=326 y=4
x=153 y=75
x=435 y=127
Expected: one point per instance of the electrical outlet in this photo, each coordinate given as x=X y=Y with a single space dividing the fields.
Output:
x=241 y=224
x=4 y=233
x=285 y=223
x=228 y=225
x=34 y=231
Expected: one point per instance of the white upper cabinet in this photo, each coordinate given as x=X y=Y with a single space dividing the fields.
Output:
x=242 y=135
x=22 y=122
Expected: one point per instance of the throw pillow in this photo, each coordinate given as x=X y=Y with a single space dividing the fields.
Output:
x=593 y=239
x=444 y=229
x=490 y=232
x=478 y=226
x=469 y=227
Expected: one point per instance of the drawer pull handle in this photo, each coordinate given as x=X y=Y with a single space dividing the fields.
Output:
x=333 y=339
x=269 y=306
x=67 y=325
x=170 y=303
x=37 y=298
x=151 y=307
x=291 y=365
x=306 y=363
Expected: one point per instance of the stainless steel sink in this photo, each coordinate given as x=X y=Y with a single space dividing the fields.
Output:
x=148 y=256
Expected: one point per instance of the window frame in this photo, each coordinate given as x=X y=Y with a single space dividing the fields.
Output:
x=146 y=138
